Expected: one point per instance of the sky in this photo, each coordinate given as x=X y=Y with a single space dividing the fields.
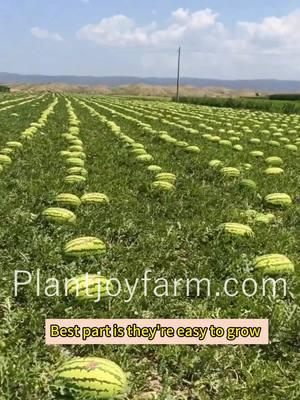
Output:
x=224 y=39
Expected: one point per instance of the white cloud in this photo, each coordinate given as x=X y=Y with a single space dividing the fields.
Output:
x=120 y=30
x=273 y=32
x=265 y=48
x=41 y=33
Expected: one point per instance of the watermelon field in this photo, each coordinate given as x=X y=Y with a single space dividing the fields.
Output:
x=182 y=190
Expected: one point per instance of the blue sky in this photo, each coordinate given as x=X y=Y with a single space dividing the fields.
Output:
x=220 y=38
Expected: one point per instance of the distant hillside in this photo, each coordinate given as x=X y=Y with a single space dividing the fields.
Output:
x=131 y=90
x=265 y=85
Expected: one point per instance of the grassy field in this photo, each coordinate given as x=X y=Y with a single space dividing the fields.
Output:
x=175 y=234
x=272 y=104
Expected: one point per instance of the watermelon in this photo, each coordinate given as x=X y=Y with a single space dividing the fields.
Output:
x=14 y=144
x=164 y=185
x=238 y=147
x=7 y=150
x=77 y=171
x=76 y=148
x=236 y=229
x=273 y=264
x=94 y=198
x=85 y=246
x=5 y=160
x=274 y=171
x=215 y=163
x=88 y=286
x=225 y=142
x=273 y=143
x=144 y=158
x=59 y=215
x=166 y=176
x=74 y=179
x=136 y=145
x=77 y=162
x=246 y=166
x=278 y=199
x=214 y=139
x=264 y=218
x=192 y=149
x=274 y=161
x=68 y=199
x=230 y=172
x=291 y=147
x=154 y=168
x=138 y=151
x=255 y=141
x=181 y=143
x=256 y=153
x=248 y=183
x=92 y=377
x=78 y=154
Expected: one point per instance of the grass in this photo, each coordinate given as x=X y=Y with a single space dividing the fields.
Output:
x=277 y=105
x=174 y=234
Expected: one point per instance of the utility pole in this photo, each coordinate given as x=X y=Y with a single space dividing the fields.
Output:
x=178 y=74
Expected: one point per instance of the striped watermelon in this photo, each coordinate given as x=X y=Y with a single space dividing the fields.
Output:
x=236 y=229
x=144 y=158
x=7 y=150
x=94 y=198
x=137 y=145
x=92 y=377
x=68 y=136
x=154 y=168
x=255 y=141
x=181 y=143
x=291 y=147
x=76 y=148
x=73 y=179
x=214 y=139
x=88 y=286
x=230 y=172
x=238 y=147
x=274 y=161
x=265 y=218
x=74 y=130
x=78 y=154
x=14 y=144
x=68 y=199
x=248 y=183
x=59 y=215
x=273 y=264
x=138 y=151
x=278 y=199
x=164 y=185
x=274 y=171
x=85 y=246
x=192 y=149
x=225 y=142
x=246 y=166
x=5 y=160
x=77 y=171
x=215 y=163
x=77 y=162
x=273 y=143
x=166 y=176
x=256 y=153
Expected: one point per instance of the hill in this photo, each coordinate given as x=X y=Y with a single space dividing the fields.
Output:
x=131 y=90
x=265 y=85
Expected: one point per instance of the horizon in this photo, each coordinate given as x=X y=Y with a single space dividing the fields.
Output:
x=146 y=77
